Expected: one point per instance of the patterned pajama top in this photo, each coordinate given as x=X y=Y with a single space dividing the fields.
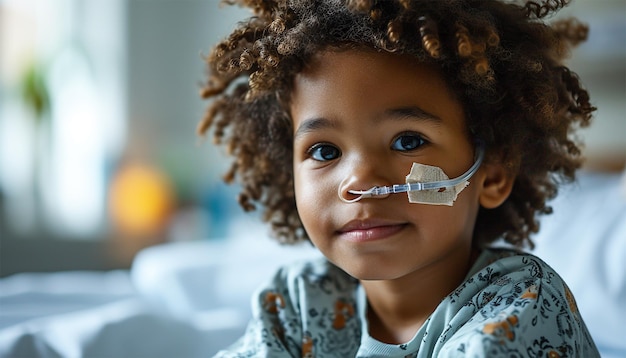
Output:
x=511 y=304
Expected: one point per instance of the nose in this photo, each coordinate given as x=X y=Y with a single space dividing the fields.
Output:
x=361 y=176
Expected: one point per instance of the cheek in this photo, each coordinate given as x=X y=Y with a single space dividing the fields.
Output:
x=314 y=202
x=447 y=223
x=306 y=198
x=460 y=219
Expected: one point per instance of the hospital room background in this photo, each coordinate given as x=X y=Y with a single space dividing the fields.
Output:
x=114 y=221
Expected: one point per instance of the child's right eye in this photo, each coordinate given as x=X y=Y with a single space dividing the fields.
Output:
x=324 y=152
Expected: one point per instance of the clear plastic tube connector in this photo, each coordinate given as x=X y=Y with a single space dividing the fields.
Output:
x=439 y=186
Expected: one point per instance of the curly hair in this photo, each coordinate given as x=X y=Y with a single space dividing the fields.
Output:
x=502 y=60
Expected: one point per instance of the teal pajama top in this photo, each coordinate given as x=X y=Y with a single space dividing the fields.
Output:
x=511 y=304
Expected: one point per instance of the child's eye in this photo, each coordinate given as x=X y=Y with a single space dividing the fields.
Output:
x=407 y=142
x=324 y=152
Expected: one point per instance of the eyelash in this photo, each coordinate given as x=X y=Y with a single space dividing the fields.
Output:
x=336 y=152
x=311 y=152
x=421 y=140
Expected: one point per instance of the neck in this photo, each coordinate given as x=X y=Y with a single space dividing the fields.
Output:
x=398 y=308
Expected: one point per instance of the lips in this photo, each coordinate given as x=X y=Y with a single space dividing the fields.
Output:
x=369 y=230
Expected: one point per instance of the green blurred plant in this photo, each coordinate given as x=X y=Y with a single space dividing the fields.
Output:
x=34 y=91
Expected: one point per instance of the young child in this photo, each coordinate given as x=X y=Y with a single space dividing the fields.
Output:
x=402 y=139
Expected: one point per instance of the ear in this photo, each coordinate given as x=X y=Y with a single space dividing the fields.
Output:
x=496 y=185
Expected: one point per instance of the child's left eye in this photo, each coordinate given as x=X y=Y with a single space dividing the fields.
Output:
x=407 y=142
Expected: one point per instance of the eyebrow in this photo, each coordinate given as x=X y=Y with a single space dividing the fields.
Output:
x=411 y=112
x=313 y=124
x=401 y=113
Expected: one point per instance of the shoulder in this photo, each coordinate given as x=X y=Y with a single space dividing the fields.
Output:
x=296 y=311
x=520 y=304
x=506 y=270
x=302 y=292
x=502 y=266
x=311 y=277
x=522 y=281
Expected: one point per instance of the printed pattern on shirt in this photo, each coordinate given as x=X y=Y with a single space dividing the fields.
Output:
x=514 y=306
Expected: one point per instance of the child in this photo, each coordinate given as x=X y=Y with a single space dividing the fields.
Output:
x=344 y=99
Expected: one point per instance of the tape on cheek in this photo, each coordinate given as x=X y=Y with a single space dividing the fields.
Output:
x=421 y=173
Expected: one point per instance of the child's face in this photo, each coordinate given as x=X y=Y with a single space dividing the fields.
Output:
x=361 y=119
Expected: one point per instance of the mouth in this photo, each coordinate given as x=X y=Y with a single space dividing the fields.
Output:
x=369 y=230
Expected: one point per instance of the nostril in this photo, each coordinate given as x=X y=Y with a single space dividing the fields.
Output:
x=345 y=193
x=352 y=190
x=347 y=196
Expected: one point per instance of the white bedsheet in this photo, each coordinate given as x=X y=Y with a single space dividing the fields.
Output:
x=585 y=241
x=181 y=300
x=126 y=328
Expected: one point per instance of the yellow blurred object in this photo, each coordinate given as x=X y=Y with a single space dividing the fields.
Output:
x=140 y=201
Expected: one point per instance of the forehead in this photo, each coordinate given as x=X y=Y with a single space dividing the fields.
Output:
x=342 y=82
x=377 y=61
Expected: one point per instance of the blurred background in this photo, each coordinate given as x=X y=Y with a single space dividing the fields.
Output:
x=98 y=108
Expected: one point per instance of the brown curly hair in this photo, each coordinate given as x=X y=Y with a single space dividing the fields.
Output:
x=500 y=58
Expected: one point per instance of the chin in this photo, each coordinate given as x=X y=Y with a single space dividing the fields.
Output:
x=371 y=272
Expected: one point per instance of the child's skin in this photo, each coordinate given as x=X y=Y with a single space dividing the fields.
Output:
x=361 y=118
